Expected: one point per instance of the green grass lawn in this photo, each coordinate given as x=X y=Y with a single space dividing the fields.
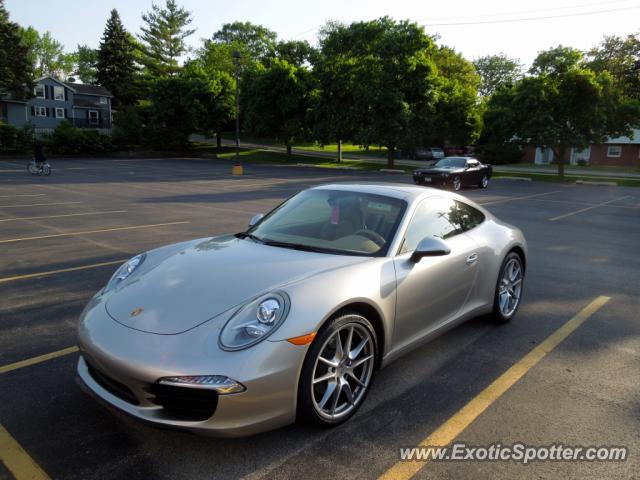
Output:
x=347 y=147
x=262 y=156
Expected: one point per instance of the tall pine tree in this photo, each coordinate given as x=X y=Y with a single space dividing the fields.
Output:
x=116 y=66
x=163 y=38
x=16 y=74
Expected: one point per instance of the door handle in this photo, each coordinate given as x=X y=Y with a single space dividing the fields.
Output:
x=471 y=259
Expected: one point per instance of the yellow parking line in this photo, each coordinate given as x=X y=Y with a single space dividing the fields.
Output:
x=70 y=234
x=61 y=270
x=603 y=204
x=17 y=460
x=39 y=204
x=61 y=216
x=39 y=359
x=518 y=198
x=449 y=430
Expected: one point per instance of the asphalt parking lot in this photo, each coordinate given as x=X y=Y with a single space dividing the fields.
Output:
x=61 y=237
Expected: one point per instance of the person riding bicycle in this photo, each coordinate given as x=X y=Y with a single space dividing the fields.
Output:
x=38 y=155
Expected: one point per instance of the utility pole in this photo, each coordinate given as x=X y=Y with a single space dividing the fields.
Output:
x=339 y=151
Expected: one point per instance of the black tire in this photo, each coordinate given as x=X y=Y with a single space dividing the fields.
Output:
x=46 y=170
x=484 y=181
x=307 y=411
x=497 y=314
x=456 y=184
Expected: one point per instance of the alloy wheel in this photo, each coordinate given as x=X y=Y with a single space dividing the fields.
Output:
x=457 y=183
x=510 y=288
x=485 y=181
x=342 y=371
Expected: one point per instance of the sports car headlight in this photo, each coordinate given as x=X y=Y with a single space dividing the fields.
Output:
x=125 y=270
x=255 y=321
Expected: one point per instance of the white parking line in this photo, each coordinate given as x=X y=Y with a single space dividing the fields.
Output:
x=61 y=216
x=38 y=204
x=70 y=234
x=587 y=208
x=504 y=200
x=23 y=195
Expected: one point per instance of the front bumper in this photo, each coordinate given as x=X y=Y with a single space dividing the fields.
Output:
x=121 y=366
x=430 y=180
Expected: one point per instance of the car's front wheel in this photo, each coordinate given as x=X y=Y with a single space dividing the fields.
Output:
x=456 y=183
x=509 y=288
x=337 y=371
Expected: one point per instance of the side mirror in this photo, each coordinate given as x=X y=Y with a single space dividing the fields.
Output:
x=255 y=219
x=430 y=247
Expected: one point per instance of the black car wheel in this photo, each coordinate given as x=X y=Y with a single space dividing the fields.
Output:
x=484 y=182
x=456 y=183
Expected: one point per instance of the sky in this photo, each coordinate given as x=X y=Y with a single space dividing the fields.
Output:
x=472 y=27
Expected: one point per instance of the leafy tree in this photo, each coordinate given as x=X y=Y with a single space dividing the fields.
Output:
x=116 y=67
x=620 y=56
x=254 y=42
x=15 y=69
x=377 y=82
x=182 y=105
x=220 y=101
x=457 y=118
x=295 y=52
x=276 y=101
x=46 y=54
x=163 y=38
x=562 y=104
x=496 y=71
x=85 y=59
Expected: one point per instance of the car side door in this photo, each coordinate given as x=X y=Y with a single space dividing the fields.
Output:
x=432 y=291
x=473 y=172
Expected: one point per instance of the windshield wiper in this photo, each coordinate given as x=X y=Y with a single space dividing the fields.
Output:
x=249 y=235
x=308 y=248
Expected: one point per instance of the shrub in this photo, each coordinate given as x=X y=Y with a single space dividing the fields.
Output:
x=499 y=154
x=16 y=140
x=127 y=127
x=69 y=140
x=582 y=162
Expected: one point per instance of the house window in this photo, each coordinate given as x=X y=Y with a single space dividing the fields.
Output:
x=614 y=151
x=40 y=111
x=103 y=100
x=93 y=117
x=58 y=93
x=39 y=91
x=59 y=112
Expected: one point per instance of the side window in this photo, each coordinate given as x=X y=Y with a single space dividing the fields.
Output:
x=439 y=217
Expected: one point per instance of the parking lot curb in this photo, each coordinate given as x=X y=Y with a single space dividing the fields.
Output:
x=522 y=179
x=588 y=182
x=391 y=170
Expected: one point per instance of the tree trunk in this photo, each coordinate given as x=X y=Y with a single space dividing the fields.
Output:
x=339 y=151
x=288 y=149
x=391 y=154
x=218 y=140
x=559 y=152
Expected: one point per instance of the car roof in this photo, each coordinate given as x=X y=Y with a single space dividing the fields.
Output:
x=409 y=193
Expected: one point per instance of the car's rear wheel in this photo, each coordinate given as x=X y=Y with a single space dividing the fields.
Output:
x=484 y=181
x=509 y=288
x=456 y=183
x=338 y=371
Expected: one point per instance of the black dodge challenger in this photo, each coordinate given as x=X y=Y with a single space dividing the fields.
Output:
x=456 y=172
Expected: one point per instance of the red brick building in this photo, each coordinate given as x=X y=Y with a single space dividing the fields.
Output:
x=621 y=151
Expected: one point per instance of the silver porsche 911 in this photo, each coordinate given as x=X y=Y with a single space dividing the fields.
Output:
x=237 y=334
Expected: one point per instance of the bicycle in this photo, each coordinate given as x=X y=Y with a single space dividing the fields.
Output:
x=34 y=169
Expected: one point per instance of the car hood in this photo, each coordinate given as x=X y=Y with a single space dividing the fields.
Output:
x=180 y=287
x=438 y=170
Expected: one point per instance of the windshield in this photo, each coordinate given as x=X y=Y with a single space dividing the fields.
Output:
x=452 y=162
x=332 y=221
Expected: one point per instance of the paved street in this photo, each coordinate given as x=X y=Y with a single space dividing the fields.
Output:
x=61 y=238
